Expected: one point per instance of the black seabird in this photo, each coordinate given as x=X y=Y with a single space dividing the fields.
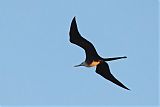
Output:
x=92 y=57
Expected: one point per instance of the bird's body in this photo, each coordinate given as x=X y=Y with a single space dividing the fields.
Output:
x=92 y=57
x=94 y=63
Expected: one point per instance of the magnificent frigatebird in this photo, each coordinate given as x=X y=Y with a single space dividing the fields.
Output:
x=92 y=57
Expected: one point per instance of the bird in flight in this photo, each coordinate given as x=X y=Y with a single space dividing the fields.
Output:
x=92 y=57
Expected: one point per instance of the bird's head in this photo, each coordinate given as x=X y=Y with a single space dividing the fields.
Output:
x=82 y=64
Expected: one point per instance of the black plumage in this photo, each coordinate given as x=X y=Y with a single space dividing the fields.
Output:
x=92 y=57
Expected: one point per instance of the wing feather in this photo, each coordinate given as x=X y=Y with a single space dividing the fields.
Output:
x=103 y=70
x=77 y=39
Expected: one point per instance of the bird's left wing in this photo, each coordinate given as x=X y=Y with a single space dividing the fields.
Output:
x=103 y=70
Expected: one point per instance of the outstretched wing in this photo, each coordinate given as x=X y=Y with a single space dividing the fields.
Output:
x=77 y=39
x=103 y=70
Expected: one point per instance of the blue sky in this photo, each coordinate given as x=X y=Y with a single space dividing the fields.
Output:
x=37 y=59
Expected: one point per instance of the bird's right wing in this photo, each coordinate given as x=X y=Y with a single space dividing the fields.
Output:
x=103 y=70
x=77 y=39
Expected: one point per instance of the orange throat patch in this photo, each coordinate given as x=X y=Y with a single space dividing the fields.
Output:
x=94 y=63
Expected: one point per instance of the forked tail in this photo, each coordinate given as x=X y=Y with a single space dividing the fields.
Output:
x=115 y=58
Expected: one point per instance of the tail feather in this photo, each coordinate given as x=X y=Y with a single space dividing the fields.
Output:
x=115 y=58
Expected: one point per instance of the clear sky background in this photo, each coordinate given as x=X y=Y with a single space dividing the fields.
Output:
x=37 y=59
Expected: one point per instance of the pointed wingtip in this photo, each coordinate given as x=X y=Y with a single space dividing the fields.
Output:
x=74 y=18
x=124 y=87
x=127 y=88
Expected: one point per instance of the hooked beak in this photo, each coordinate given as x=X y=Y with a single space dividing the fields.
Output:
x=77 y=65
